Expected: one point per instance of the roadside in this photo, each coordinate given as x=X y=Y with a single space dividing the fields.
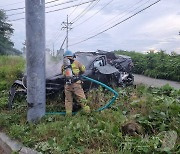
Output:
x=8 y=146
x=138 y=79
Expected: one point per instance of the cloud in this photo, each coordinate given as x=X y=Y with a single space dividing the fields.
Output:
x=165 y=24
x=156 y=27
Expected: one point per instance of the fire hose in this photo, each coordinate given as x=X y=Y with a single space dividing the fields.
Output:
x=99 y=109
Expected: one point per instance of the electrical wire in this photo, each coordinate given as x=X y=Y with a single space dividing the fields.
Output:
x=15 y=14
x=11 y=4
x=94 y=14
x=112 y=0
x=74 y=9
x=14 y=9
x=58 y=9
x=82 y=11
x=46 y=7
x=52 y=1
x=85 y=11
x=71 y=6
x=61 y=3
x=116 y=24
x=108 y=23
x=24 y=1
x=57 y=37
x=16 y=19
x=20 y=8
x=60 y=36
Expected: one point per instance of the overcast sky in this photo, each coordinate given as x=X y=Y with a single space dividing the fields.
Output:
x=155 y=28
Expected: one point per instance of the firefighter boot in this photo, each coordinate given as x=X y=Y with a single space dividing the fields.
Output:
x=86 y=109
x=68 y=113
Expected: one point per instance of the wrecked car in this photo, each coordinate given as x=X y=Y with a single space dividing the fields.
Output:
x=123 y=63
x=99 y=66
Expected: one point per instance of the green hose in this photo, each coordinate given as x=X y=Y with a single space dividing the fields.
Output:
x=99 y=109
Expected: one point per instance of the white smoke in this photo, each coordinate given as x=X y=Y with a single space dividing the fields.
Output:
x=53 y=65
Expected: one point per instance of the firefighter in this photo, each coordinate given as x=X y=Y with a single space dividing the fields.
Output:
x=72 y=69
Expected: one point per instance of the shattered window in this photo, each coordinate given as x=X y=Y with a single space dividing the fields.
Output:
x=98 y=63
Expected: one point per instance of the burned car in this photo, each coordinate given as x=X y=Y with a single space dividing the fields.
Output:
x=99 y=66
x=123 y=63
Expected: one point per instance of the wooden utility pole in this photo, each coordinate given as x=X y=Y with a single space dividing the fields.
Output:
x=35 y=57
x=66 y=26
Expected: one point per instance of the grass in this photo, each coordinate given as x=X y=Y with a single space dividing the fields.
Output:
x=157 y=110
x=11 y=68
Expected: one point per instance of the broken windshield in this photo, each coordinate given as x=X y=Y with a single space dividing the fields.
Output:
x=85 y=59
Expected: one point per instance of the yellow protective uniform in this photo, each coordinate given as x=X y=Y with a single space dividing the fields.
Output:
x=75 y=88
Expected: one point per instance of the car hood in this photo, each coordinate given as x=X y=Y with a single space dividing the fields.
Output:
x=107 y=69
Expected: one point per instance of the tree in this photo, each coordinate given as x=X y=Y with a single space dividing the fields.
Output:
x=6 y=30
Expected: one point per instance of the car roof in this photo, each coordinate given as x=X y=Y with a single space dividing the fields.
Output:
x=86 y=58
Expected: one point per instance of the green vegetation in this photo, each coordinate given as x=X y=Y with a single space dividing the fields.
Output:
x=11 y=68
x=6 y=30
x=157 y=110
x=156 y=65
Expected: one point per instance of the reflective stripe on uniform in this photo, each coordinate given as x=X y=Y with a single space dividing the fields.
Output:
x=83 y=68
x=76 y=68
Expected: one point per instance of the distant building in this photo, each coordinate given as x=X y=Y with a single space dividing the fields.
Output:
x=152 y=51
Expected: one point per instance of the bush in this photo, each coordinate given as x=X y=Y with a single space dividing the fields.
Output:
x=157 y=65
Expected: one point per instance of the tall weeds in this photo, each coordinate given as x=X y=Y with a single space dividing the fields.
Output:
x=11 y=68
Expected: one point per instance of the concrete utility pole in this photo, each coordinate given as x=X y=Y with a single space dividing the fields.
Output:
x=35 y=55
x=67 y=27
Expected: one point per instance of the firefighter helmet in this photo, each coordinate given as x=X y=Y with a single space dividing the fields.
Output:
x=68 y=53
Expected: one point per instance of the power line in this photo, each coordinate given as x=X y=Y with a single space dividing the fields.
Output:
x=108 y=22
x=46 y=7
x=51 y=1
x=116 y=24
x=11 y=4
x=131 y=6
x=82 y=11
x=71 y=6
x=57 y=37
x=16 y=19
x=85 y=10
x=59 y=9
x=24 y=1
x=15 y=14
x=94 y=14
x=61 y=3
x=14 y=9
x=74 y=9
x=20 y=8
